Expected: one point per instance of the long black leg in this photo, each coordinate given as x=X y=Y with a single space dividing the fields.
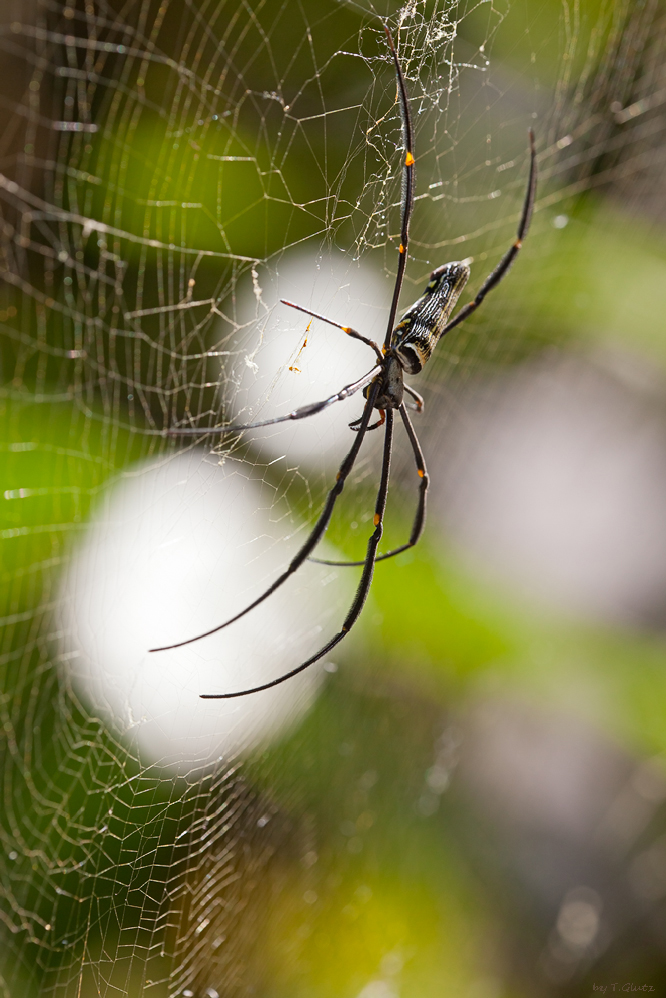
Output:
x=419 y=518
x=305 y=410
x=316 y=534
x=407 y=198
x=363 y=587
x=345 y=329
x=502 y=268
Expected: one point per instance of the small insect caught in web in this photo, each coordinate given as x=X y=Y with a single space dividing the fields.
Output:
x=293 y=367
x=407 y=348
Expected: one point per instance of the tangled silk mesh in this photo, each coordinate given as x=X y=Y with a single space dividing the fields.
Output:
x=155 y=156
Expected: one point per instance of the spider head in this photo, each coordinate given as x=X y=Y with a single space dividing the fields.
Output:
x=391 y=379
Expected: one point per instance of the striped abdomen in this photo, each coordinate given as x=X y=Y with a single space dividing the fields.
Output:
x=415 y=337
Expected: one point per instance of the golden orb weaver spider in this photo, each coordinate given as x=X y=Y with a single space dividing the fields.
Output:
x=407 y=348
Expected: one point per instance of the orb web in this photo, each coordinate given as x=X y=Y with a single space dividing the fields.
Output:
x=162 y=165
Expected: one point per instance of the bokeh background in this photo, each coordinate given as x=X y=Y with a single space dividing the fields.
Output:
x=468 y=798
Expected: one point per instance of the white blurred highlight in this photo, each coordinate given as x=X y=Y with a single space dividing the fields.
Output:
x=176 y=549
x=355 y=295
x=557 y=485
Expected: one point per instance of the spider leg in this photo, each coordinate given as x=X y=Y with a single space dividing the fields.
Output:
x=345 y=329
x=315 y=536
x=504 y=265
x=419 y=518
x=355 y=426
x=407 y=197
x=363 y=587
x=301 y=413
x=417 y=398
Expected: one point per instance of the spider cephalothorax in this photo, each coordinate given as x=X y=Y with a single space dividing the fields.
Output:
x=406 y=350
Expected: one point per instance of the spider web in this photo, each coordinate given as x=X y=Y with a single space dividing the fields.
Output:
x=162 y=164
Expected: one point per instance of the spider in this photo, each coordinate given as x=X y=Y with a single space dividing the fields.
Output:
x=407 y=348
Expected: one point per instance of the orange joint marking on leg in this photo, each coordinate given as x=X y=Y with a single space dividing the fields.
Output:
x=337 y=477
x=384 y=350
x=421 y=473
x=518 y=243
x=401 y=248
x=345 y=329
x=344 y=629
x=409 y=159
x=377 y=519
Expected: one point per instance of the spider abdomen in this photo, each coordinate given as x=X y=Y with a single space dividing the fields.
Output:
x=415 y=337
